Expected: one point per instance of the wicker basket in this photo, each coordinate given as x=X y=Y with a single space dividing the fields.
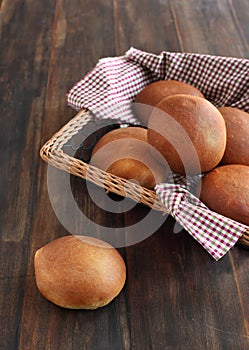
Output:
x=53 y=152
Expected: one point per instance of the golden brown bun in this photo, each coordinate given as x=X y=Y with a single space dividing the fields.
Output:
x=126 y=153
x=153 y=93
x=204 y=126
x=225 y=190
x=79 y=272
x=237 y=125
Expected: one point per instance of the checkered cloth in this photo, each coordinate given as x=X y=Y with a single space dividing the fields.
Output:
x=216 y=233
x=110 y=88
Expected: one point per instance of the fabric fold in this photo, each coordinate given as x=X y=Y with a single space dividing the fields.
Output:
x=216 y=233
x=223 y=80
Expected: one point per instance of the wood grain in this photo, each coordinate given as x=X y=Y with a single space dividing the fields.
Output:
x=176 y=296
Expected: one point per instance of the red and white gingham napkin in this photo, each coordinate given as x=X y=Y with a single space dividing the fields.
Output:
x=111 y=86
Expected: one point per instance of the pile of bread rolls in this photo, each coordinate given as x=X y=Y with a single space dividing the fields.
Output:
x=184 y=133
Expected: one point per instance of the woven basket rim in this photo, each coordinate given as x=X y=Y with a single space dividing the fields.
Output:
x=52 y=153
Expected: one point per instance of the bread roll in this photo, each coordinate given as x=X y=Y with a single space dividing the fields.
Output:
x=225 y=190
x=79 y=272
x=237 y=125
x=190 y=133
x=153 y=93
x=126 y=153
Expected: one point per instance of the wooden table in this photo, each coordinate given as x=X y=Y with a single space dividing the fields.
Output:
x=176 y=296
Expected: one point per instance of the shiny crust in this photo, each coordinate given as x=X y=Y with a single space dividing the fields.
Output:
x=153 y=93
x=237 y=125
x=225 y=190
x=205 y=128
x=126 y=153
x=79 y=272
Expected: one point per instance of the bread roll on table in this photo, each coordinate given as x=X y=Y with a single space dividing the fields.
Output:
x=79 y=272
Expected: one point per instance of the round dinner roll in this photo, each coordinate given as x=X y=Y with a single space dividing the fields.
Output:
x=79 y=272
x=126 y=153
x=237 y=125
x=225 y=190
x=153 y=93
x=189 y=132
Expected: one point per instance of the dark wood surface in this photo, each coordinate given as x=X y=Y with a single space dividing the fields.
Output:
x=176 y=296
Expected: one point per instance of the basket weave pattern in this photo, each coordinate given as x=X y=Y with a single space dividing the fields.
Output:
x=52 y=152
